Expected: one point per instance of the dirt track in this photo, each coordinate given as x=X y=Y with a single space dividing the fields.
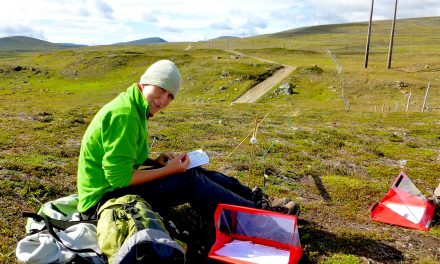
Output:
x=253 y=94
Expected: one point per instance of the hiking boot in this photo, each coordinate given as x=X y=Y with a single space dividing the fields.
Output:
x=282 y=205
x=259 y=197
x=278 y=202
x=273 y=204
x=292 y=208
x=257 y=194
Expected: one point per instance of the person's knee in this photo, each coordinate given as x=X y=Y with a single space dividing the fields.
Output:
x=196 y=173
x=194 y=176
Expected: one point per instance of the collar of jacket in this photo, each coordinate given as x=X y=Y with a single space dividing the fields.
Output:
x=139 y=100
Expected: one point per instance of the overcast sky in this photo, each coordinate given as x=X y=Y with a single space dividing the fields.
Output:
x=95 y=22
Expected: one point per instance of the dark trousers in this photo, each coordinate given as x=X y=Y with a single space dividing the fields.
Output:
x=203 y=189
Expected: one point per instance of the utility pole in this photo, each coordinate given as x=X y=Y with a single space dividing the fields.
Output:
x=367 y=48
x=390 y=50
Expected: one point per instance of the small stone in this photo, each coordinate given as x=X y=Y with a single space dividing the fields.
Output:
x=224 y=74
x=401 y=84
x=285 y=88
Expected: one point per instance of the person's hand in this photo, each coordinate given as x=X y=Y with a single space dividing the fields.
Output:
x=164 y=158
x=178 y=165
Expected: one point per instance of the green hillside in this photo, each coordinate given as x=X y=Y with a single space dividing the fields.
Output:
x=21 y=43
x=334 y=162
x=427 y=25
x=412 y=33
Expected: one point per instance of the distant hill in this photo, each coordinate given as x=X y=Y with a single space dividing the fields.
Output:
x=224 y=38
x=70 y=45
x=22 y=43
x=426 y=24
x=153 y=40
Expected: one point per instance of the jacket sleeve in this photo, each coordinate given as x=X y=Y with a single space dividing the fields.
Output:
x=119 y=138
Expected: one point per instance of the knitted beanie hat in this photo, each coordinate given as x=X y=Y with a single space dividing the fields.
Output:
x=163 y=73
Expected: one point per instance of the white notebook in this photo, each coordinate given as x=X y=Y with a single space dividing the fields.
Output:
x=197 y=158
x=254 y=253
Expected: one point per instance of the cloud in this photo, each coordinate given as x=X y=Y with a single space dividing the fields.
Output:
x=256 y=22
x=314 y=12
x=148 y=17
x=82 y=12
x=20 y=30
x=110 y=21
x=101 y=8
x=170 y=29
x=221 y=26
x=98 y=32
x=252 y=26
x=344 y=11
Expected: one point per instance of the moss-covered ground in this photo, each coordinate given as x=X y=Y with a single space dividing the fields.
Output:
x=335 y=163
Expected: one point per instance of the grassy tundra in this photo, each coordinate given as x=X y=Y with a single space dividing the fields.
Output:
x=335 y=163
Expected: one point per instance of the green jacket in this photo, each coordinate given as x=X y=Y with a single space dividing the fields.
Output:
x=114 y=144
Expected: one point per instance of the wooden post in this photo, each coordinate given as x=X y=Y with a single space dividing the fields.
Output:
x=344 y=99
x=390 y=49
x=367 y=47
x=426 y=97
x=253 y=158
x=407 y=102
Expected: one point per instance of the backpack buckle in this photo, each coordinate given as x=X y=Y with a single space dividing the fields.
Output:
x=131 y=210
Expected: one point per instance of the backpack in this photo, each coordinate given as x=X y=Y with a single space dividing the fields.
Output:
x=56 y=234
x=129 y=231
